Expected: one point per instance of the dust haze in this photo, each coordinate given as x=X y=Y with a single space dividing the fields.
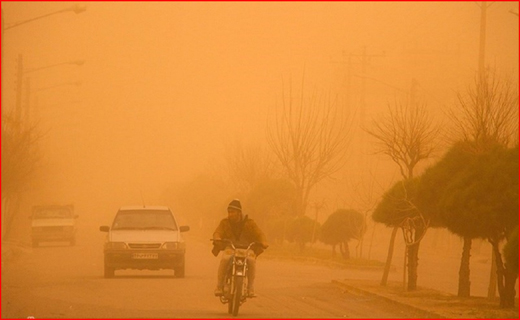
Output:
x=169 y=89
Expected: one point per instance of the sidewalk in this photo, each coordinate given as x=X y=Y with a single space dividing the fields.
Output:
x=434 y=303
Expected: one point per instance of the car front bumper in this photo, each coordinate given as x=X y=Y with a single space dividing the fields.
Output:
x=140 y=259
x=53 y=234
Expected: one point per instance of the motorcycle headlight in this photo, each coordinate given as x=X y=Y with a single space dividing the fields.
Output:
x=116 y=245
x=173 y=245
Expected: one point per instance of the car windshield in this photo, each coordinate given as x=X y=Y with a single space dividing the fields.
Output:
x=52 y=213
x=144 y=219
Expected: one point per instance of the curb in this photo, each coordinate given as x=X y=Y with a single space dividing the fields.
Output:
x=431 y=314
x=329 y=263
x=12 y=249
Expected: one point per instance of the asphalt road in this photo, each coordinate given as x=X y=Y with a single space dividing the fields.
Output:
x=60 y=281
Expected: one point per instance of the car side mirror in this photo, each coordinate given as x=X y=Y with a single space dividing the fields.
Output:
x=184 y=228
x=104 y=228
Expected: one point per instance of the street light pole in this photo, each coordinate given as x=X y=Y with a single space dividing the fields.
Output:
x=6 y=210
x=28 y=96
x=19 y=82
x=76 y=9
x=18 y=105
x=75 y=62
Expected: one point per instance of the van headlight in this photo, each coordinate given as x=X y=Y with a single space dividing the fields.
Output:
x=116 y=246
x=173 y=245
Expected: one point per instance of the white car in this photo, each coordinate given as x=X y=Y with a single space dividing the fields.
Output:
x=144 y=237
x=51 y=223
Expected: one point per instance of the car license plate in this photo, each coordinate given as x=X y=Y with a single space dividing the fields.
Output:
x=145 y=255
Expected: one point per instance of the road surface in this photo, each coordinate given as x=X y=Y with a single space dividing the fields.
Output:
x=60 y=281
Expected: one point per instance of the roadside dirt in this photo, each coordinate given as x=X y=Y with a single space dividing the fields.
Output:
x=439 y=304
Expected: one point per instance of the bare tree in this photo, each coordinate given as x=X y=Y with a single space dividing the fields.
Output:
x=366 y=199
x=309 y=137
x=19 y=163
x=487 y=113
x=247 y=165
x=407 y=135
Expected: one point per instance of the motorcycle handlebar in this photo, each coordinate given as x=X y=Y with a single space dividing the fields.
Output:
x=235 y=246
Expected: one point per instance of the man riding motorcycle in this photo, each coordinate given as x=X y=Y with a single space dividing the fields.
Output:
x=239 y=229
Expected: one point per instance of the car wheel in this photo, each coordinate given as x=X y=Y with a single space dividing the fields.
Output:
x=109 y=271
x=179 y=271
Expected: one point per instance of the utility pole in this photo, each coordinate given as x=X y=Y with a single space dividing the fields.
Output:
x=19 y=83
x=27 y=100
x=482 y=46
x=365 y=61
x=482 y=78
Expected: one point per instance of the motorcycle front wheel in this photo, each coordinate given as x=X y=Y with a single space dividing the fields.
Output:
x=237 y=295
x=230 y=306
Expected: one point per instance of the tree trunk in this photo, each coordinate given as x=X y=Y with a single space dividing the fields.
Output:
x=371 y=241
x=301 y=245
x=12 y=207
x=510 y=276
x=492 y=288
x=346 y=250
x=413 y=261
x=506 y=280
x=464 y=282
x=384 y=280
x=413 y=258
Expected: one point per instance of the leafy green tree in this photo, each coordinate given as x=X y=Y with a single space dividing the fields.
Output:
x=340 y=227
x=482 y=201
x=475 y=196
x=433 y=184
x=398 y=209
x=300 y=230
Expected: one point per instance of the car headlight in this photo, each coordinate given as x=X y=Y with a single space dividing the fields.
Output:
x=173 y=245
x=116 y=245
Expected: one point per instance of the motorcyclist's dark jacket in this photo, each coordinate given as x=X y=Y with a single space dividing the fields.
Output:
x=243 y=232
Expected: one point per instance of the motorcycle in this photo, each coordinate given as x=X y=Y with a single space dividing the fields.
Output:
x=235 y=280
